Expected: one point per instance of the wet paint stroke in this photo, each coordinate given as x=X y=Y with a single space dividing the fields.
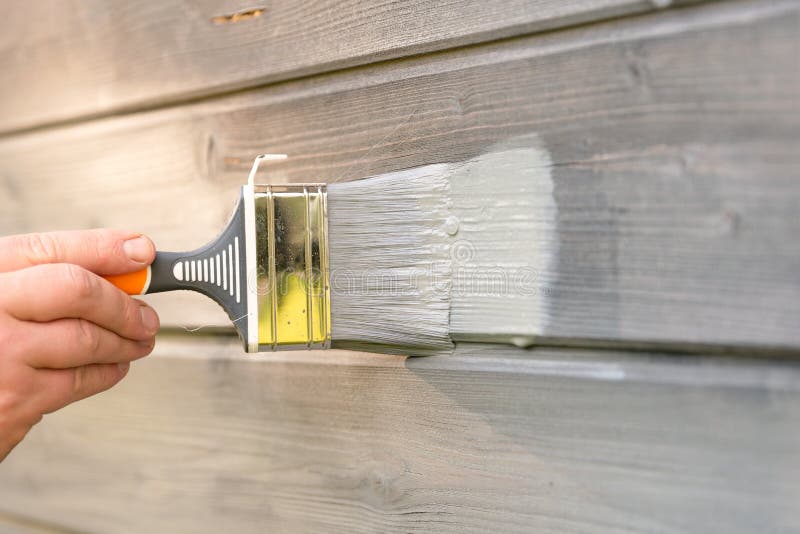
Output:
x=507 y=243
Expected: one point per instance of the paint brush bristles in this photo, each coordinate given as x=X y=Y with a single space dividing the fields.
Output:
x=443 y=253
x=390 y=261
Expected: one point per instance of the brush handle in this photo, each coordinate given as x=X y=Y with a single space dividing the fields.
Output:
x=160 y=276
x=217 y=270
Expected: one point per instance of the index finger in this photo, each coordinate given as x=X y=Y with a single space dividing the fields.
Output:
x=102 y=251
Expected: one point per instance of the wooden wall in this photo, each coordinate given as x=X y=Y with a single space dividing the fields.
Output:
x=665 y=392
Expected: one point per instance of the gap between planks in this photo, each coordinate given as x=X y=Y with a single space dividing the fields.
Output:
x=226 y=337
x=736 y=368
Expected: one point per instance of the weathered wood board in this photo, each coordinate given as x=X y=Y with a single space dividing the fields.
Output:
x=200 y=438
x=672 y=192
x=66 y=60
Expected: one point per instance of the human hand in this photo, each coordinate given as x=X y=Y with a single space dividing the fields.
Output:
x=65 y=332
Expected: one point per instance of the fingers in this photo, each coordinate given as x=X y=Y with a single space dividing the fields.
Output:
x=60 y=387
x=71 y=333
x=101 y=251
x=49 y=292
x=69 y=343
x=19 y=409
x=10 y=438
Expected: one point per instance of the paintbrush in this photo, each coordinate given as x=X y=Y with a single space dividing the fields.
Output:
x=368 y=264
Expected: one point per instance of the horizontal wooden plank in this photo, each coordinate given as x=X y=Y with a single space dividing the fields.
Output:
x=62 y=60
x=670 y=196
x=200 y=438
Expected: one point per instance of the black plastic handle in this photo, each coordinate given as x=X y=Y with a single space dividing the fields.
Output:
x=217 y=270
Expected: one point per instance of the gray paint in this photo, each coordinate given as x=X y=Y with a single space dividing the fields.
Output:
x=507 y=246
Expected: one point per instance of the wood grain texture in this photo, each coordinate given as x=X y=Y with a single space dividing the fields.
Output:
x=16 y=524
x=200 y=439
x=672 y=139
x=63 y=60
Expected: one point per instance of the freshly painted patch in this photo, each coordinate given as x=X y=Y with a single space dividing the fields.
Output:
x=507 y=247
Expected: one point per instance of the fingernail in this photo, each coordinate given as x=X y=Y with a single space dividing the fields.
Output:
x=138 y=249
x=123 y=367
x=149 y=319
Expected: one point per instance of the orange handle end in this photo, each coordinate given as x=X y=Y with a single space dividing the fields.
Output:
x=135 y=283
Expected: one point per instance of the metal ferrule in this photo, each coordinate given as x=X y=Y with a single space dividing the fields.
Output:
x=291 y=267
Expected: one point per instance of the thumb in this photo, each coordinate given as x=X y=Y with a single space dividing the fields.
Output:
x=101 y=251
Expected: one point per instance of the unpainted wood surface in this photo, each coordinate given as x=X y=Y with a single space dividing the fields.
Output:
x=14 y=524
x=201 y=439
x=674 y=172
x=64 y=60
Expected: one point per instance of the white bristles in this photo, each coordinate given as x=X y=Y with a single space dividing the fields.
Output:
x=390 y=260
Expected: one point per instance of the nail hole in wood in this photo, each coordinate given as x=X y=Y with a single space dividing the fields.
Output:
x=237 y=17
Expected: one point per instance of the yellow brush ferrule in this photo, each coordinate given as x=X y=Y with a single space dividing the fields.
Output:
x=292 y=272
